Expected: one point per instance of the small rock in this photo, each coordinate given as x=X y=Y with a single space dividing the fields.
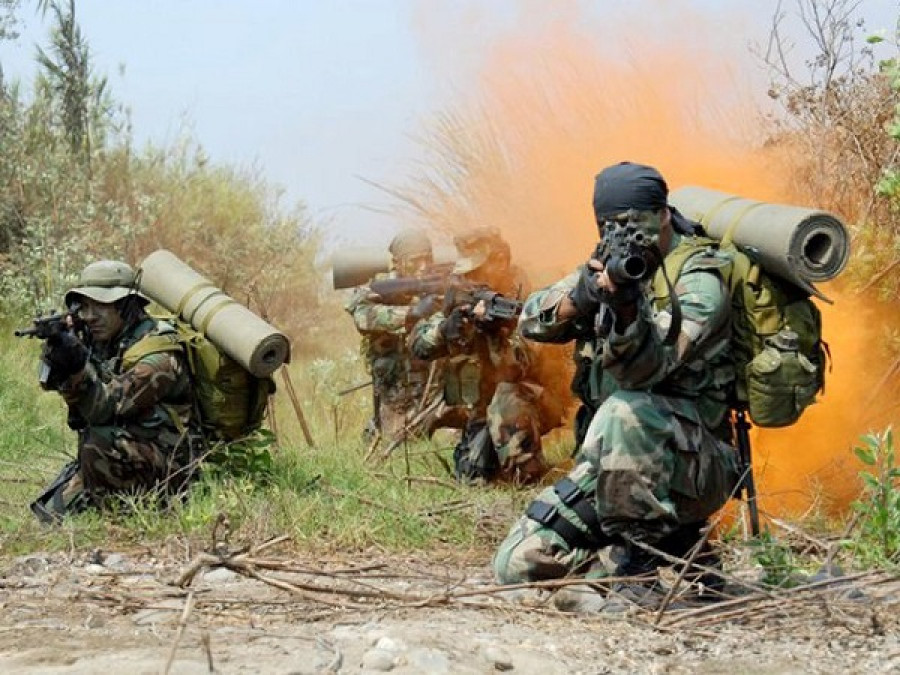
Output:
x=498 y=657
x=373 y=636
x=94 y=569
x=29 y=565
x=94 y=621
x=379 y=659
x=390 y=645
x=220 y=575
x=428 y=660
x=114 y=560
x=328 y=658
x=353 y=631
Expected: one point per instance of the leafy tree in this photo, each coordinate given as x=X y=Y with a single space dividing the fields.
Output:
x=79 y=97
x=8 y=23
x=8 y=20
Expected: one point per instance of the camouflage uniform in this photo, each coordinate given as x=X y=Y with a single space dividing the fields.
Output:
x=134 y=418
x=485 y=372
x=398 y=379
x=654 y=462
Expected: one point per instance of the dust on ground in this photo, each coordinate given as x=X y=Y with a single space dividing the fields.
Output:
x=266 y=613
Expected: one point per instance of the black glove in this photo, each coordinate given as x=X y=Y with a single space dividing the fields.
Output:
x=65 y=354
x=454 y=325
x=587 y=296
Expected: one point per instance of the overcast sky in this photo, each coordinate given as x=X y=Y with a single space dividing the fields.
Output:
x=318 y=93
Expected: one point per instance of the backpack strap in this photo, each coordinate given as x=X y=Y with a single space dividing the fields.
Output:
x=673 y=264
x=163 y=338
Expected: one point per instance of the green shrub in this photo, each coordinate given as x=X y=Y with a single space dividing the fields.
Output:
x=877 y=540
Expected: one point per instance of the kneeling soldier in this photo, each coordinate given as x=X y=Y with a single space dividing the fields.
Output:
x=129 y=401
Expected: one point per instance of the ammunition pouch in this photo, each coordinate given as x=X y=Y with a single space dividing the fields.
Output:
x=780 y=385
x=462 y=381
x=573 y=497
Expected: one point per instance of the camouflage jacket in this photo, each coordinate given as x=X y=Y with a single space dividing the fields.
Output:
x=496 y=355
x=155 y=392
x=697 y=372
x=384 y=325
x=384 y=331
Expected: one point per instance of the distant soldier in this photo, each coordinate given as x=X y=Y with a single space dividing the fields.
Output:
x=486 y=370
x=398 y=379
x=486 y=256
x=132 y=409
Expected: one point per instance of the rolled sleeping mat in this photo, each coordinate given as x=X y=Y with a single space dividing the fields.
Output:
x=801 y=245
x=245 y=337
x=357 y=266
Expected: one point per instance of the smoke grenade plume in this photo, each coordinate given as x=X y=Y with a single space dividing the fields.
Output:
x=552 y=105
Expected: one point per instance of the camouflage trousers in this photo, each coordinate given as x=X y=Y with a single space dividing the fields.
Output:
x=113 y=461
x=647 y=468
x=505 y=440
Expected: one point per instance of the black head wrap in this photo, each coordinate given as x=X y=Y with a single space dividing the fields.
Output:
x=625 y=186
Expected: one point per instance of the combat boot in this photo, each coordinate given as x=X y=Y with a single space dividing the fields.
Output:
x=709 y=584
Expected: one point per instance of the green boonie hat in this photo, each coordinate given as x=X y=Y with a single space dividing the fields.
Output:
x=105 y=281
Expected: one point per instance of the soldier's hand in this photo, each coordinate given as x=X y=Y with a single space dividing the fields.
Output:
x=453 y=327
x=65 y=354
x=590 y=289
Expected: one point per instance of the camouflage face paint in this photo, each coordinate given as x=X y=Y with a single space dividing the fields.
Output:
x=102 y=319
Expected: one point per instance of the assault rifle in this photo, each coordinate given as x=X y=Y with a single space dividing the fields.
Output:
x=45 y=327
x=629 y=257
x=626 y=251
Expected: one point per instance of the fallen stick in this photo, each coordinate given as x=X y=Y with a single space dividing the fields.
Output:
x=182 y=624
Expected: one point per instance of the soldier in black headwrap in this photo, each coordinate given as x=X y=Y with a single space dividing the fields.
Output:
x=654 y=463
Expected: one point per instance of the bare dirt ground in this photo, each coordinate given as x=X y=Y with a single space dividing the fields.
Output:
x=269 y=612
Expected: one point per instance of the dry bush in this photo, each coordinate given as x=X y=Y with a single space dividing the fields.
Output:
x=226 y=223
x=833 y=129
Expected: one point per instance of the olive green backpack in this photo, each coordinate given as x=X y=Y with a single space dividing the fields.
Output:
x=230 y=400
x=779 y=353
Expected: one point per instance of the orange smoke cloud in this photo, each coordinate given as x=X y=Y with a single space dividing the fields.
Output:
x=554 y=105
